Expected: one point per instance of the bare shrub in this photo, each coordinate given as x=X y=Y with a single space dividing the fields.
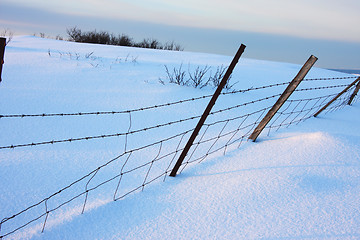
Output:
x=121 y=40
x=197 y=77
x=74 y=34
x=177 y=76
x=88 y=55
x=7 y=34
x=172 y=46
x=218 y=76
x=149 y=43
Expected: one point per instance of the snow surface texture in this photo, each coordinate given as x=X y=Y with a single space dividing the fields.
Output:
x=301 y=182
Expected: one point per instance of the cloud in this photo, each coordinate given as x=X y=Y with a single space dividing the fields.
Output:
x=21 y=24
x=330 y=19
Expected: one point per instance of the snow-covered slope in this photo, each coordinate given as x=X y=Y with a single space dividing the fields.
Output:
x=301 y=182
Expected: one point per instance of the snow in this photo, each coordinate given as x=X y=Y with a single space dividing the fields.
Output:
x=301 y=182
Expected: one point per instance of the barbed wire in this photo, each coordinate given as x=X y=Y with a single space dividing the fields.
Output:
x=319 y=88
x=220 y=132
x=163 y=104
x=330 y=78
x=98 y=136
x=300 y=112
x=91 y=175
x=134 y=131
x=136 y=109
x=157 y=126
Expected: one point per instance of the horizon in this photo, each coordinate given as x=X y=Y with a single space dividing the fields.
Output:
x=344 y=70
x=283 y=35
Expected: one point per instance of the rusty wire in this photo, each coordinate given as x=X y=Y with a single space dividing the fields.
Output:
x=160 y=105
x=210 y=140
x=134 y=131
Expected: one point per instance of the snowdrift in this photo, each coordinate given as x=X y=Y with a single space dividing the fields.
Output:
x=95 y=129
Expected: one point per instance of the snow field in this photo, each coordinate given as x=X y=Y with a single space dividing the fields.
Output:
x=298 y=183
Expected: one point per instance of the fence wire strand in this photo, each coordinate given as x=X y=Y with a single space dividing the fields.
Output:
x=226 y=128
x=159 y=105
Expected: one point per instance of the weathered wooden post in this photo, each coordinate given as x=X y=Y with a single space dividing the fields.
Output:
x=207 y=111
x=337 y=96
x=2 y=52
x=355 y=92
x=282 y=99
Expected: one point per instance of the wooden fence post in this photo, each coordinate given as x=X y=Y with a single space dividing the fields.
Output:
x=2 y=52
x=355 y=92
x=337 y=96
x=207 y=111
x=282 y=99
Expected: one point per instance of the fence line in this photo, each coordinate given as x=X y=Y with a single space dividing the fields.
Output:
x=134 y=131
x=284 y=96
x=164 y=104
x=207 y=110
x=152 y=127
x=274 y=124
x=221 y=133
x=350 y=98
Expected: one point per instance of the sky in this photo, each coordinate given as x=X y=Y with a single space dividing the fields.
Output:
x=278 y=30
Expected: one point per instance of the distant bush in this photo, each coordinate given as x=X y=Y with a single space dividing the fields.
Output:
x=149 y=43
x=121 y=40
x=75 y=34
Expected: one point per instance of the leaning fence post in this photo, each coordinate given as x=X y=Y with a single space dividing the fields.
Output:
x=207 y=111
x=355 y=92
x=2 y=52
x=337 y=96
x=282 y=99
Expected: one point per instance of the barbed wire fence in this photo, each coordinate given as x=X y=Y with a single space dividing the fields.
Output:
x=139 y=165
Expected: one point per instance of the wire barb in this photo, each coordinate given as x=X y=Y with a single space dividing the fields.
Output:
x=225 y=128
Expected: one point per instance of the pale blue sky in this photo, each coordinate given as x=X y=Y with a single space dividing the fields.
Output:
x=280 y=30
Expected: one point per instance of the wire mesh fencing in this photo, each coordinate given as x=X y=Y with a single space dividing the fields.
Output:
x=148 y=153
